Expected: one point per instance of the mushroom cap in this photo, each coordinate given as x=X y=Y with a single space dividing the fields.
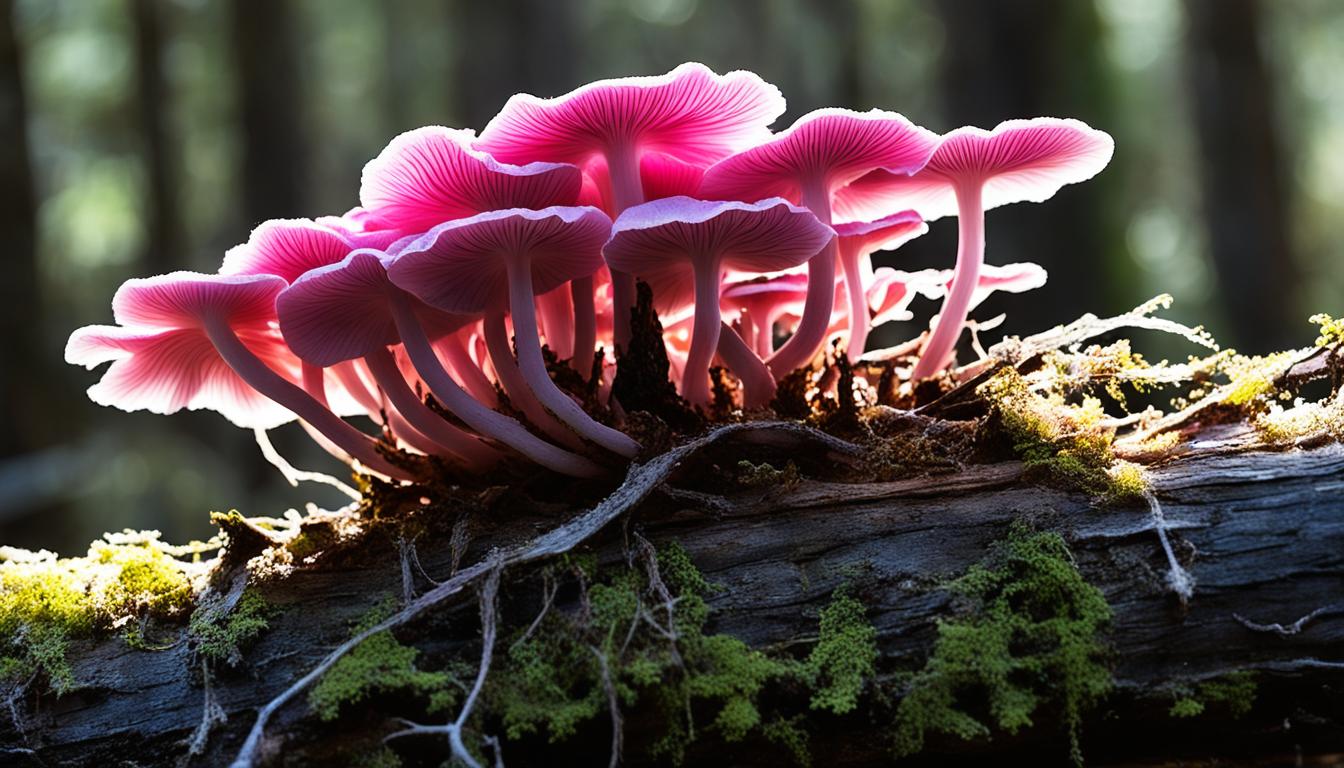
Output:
x=835 y=146
x=431 y=175
x=164 y=371
x=164 y=361
x=287 y=248
x=661 y=176
x=1018 y=277
x=689 y=113
x=1020 y=160
x=362 y=229
x=881 y=234
x=892 y=290
x=182 y=299
x=459 y=266
x=657 y=241
x=790 y=285
x=340 y=311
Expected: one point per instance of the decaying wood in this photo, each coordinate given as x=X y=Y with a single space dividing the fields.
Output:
x=1260 y=533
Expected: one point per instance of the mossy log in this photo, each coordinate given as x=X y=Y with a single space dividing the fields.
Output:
x=1261 y=534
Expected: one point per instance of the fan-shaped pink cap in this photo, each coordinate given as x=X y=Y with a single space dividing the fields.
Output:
x=660 y=176
x=832 y=146
x=431 y=175
x=362 y=229
x=165 y=362
x=689 y=113
x=340 y=311
x=1020 y=160
x=287 y=248
x=657 y=241
x=1018 y=277
x=881 y=234
x=182 y=299
x=458 y=265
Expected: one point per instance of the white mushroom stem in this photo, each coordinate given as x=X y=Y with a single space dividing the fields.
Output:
x=627 y=189
x=556 y=309
x=472 y=378
x=970 y=257
x=260 y=377
x=803 y=345
x=850 y=256
x=480 y=418
x=533 y=367
x=708 y=277
x=585 y=325
x=353 y=383
x=385 y=371
x=515 y=385
x=757 y=384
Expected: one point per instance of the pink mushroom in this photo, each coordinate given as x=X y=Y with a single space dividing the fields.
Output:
x=857 y=241
x=974 y=170
x=765 y=300
x=821 y=153
x=690 y=114
x=431 y=175
x=682 y=248
x=340 y=312
x=500 y=260
x=287 y=248
x=188 y=340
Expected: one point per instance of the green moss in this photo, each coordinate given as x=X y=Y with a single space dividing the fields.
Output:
x=221 y=640
x=844 y=656
x=766 y=475
x=382 y=757
x=1252 y=379
x=1232 y=694
x=378 y=665
x=45 y=602
x=1029 y=641
x=1060 y=444
x=790 y=735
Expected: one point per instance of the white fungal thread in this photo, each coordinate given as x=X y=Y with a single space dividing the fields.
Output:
x=1179 y=580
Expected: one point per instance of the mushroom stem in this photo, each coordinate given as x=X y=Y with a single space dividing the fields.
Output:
x=448 y=437
x=970 y=257
x=472 y=377
x=315 y=385
x=849 y=256
x=556 y=308
x=515 y=384
x=534 y=368
x=758 y=386
x=803 y=345
x=260 y=377
x=627 y=189
x=480 y=418
x=585 y=325
x=708 y=277
x=352 y=382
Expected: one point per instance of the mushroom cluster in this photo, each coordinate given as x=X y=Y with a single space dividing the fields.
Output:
x=432 y=307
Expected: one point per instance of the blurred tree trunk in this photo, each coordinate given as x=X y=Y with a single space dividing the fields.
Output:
x=1026 y=58
x=163 y=244
x=510 y=46
x=275 y=164
x=1241 y=171
x=21 y=375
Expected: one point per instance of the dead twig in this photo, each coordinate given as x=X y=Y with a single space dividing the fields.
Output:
x=1293 y=628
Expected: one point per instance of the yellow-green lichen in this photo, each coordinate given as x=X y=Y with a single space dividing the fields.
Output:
x=380 y=664
x=1232 y=694
x=1331 y=330
x=221 y=640
x=766 y=475
x=45 y=601
x=1252 y=379
x=1029 y=641
x=1061 y=444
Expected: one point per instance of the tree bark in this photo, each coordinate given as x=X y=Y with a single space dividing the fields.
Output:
x=1262 y=534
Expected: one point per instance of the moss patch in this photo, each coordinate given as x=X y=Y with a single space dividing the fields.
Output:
x=380 y=664
x=1232 y=694
x=45 y=601
x=1029 y=641
x=844 y=657
x=221 y=640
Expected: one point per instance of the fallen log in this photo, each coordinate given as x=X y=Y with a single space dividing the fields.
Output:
x=1261 y=534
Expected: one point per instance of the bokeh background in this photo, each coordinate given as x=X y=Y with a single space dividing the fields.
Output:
x=143 y=136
